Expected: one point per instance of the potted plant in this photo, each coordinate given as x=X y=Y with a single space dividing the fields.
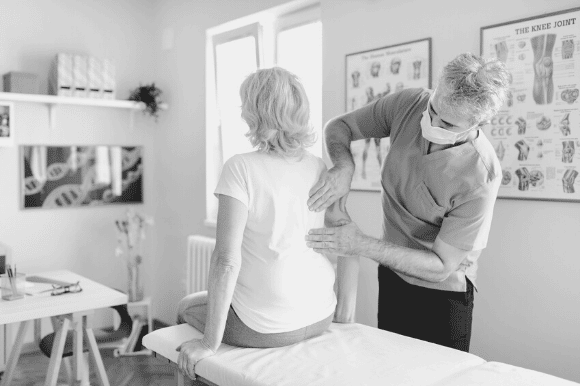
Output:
x=149 y=95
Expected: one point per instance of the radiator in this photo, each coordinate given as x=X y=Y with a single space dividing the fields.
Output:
x=199 y=250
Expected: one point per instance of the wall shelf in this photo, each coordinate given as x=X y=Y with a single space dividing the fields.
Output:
x=52 y=101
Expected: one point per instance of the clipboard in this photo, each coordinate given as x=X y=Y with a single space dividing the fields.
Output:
x=45 y=280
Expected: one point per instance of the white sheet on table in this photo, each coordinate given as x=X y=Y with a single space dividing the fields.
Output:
x=501 y=374
x=346 y=354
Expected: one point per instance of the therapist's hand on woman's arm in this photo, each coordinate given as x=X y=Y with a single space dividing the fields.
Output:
x=347 y=269
x=335 y=183
x=224 y=268
x=433 y=265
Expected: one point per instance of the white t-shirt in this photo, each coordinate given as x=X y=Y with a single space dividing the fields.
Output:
x=283 y=285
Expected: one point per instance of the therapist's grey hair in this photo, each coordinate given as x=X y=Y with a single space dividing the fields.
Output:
x=276 y=109
x=476 y=87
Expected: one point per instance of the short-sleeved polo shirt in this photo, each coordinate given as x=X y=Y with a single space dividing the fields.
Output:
x=448 y=193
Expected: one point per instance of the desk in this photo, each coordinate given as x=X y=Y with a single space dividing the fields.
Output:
x=75 y=311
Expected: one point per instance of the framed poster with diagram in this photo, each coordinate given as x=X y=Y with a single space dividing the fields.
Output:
x=80 y=176
x=371 y=75
x=536 y=134
x=7 y=129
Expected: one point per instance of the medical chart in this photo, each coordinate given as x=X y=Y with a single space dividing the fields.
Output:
x=371 y=75
x=536 y=134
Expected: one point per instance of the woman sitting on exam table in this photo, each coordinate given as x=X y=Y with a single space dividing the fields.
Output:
x=266 y=288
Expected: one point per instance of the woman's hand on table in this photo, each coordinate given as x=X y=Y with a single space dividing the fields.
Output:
x=190 y=353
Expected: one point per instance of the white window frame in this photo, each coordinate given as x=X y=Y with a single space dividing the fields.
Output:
x=264 y=26
x=255 y=30
x=295 y=19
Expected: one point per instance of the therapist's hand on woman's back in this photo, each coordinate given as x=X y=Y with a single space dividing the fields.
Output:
x=332 y=185
x=341 y=236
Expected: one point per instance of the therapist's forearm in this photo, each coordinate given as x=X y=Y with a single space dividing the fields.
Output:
x=421 y=264
x=347 y=279
x=223 y=274
x=338 y=138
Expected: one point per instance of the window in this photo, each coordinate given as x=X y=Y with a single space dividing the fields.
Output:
x=299 y=50
x=293 y=40
x=236 y=55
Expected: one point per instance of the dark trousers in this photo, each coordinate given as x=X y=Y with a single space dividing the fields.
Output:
x=441 y=317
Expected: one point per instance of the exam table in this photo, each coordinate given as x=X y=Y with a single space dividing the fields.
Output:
x=346 y=354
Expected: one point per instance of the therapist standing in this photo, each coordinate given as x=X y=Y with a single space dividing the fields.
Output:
x=439 y=184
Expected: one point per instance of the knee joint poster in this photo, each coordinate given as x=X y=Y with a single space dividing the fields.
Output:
x=536 y=134
x=371 y=75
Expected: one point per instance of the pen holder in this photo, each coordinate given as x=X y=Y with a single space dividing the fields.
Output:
x=12 y=287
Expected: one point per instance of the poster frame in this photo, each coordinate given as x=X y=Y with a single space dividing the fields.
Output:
x=482 y=44
x=138 y=180
x=9 y=140
x=427 y=54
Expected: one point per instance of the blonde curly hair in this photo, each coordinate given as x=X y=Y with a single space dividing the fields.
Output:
x=276 y=109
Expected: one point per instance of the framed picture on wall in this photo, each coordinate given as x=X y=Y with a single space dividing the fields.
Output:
x=7 y=129
x=371 y=75
x=78 y=176
x=536 y=134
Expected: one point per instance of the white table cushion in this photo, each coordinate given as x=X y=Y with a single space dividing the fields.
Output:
x=346 y=354
x=501 y=374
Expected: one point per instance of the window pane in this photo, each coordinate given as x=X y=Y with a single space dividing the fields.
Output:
x=300 y=51
x=235 y=60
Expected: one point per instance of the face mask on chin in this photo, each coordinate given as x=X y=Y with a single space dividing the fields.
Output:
x=440 y=135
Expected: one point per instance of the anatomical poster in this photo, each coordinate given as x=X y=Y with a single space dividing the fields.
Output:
x=373 y=74
x=74 y=176
x=536 y=134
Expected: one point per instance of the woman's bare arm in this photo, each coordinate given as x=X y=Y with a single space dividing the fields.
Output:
x=347 y=269
x=224 y=267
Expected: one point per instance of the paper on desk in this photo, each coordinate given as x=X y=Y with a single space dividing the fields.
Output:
x=35 y=289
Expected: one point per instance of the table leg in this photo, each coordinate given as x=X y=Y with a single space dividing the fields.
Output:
x=149 y=318
x=37 y=331
x=56 y=354
x=78 y=361
x=94 y=350
x=15 y=353
x=180 y=378
x=86 y=373
x=66 y=362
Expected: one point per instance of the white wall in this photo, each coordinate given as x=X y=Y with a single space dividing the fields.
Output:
x=527 y=311
x=31 y=33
